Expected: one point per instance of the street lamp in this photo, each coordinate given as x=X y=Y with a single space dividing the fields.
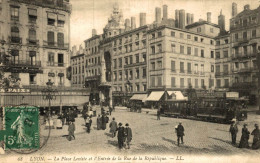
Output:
x=49 y=93
x=127 y=88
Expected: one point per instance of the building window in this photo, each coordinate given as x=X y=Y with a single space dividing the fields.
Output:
x=202 y=83
x=217 y=55
x=212 y=54
x=173 y=47
x=201 y=39
x=226 y=41
x=189 y=82
x=32 y=36
x=131 y=59
x=211 y=30
x=160 y=34
x=159 y=63
x=137 y=73
x=225 y=69
x=202 y=53
x=181 y=49
x=212 y=68
x=254 y=48
x=15 y=36
x=115 y=76
x=14 y=13
x=120 y=62
x=225 y=53
x=244 y=35
x=153 y=35
x=144 y=72
x=126 y=60
x=159 y=48
x=51 y=59
x=226 y=82
x=32 y=14
x=51 y=19
x=32 y=78
x=253 y=33
x=181 y=35
x=173 y=66
x=137 y=87
x=120 y=75
x=218 y=83
x=182 y=82
x=236 y=36
x=137 y=58
x=172 y=34
x=60 y=60
x=196 y=83
x=153 y=65
x=145 y=87
x=245 y=50
x=153 y=49
x=173 y=82
x=199 y=29
x=181 y=67
x=189 y=67
x=115 y=64
x=153 y=81
x=126 y=74
x=60 y=39
x=211 y=42
x=196 y=52
x=189 y=50
x=32 y=55
x=50 y=38
x=144 y=57
x=159 y=81
x=61 y=20
x=196 y=69
x=188 y=36
x=15 y=56
x=195 y=38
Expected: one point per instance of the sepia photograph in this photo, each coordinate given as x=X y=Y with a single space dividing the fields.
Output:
x=129 y=81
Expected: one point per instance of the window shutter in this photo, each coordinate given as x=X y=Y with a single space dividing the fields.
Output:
x=51 y=37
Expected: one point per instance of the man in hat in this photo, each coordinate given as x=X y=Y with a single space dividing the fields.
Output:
x=233 y=131
x=71 y=130
x=158 y=112
x=113 y=127
x=180 y=133
x=256 y=139
x=120 y=136
x=244 y=138
x=128 y=135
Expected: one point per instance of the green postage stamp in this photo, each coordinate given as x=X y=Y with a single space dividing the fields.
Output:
x=21 y=127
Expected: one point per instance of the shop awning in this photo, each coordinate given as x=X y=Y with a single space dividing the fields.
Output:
x=177 y=95
x=155 y=96
x=138 y=97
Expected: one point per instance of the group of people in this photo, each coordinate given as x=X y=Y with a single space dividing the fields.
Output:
x=245 y=136
x=124 y=134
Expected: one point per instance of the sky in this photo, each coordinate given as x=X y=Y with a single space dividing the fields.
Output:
x=89 y=14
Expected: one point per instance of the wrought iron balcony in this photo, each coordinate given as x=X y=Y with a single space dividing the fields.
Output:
x=32 y=42
x=55 y=64
x=55 y=45
x=15 y=40
x=23 y=63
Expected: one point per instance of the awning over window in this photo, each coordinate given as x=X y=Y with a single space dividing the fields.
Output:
x=155 y=96
x=32 y=53
x=176 y=95
x=51 y=15
x=32 y=12
x=61 y=17
x=140 y=97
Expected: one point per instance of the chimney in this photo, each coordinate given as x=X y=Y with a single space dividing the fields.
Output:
x=127 y=24
x=209 y=17
x=133 y=25
x=94 y=32
x=182 y=19
x=247 y=7
x=234 y=9
x=165 y=12
x=221 y=22
x=177 y=15
x=191 y=18
x=158 y=16
x=142 y=19
x=188 y=18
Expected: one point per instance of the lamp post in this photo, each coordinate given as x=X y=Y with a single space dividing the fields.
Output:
x=127 y=88
x=48 y=93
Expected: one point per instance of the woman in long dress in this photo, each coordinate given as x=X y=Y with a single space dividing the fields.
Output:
x=256 y=139
x=244 y=138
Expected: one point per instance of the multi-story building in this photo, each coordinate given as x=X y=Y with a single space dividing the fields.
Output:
x=35 y=41
x=174 y=54
x=93 y=66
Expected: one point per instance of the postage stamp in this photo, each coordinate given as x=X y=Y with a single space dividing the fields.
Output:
x=21 y=127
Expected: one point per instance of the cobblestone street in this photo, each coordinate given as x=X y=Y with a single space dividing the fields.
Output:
x=150 y=136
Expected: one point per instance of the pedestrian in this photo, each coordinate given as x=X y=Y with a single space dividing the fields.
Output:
x=88 y=124
x=180 y=133
x=114 y=108
x=128 y=135
x=244 y=138
x=113 y=127
x=102 y=110
x=103 y=121
x=233 y=131
x=256 y=139
x=71 y=130
x=99 y=122
x=120 y=136
x=110 y=110
x=158 y=113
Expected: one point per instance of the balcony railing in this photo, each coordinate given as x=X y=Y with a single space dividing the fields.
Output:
x=15 y=40
x=55 y=64
x=47 y=3
x=134 y=64
x=32 y=41
x=55 y=45
x=23 y=63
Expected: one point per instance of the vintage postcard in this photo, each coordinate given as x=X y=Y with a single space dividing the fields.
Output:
x=129 y=81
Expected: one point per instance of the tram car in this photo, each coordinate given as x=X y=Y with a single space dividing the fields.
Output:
x=217 y=107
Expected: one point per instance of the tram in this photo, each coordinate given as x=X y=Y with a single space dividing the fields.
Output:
x=220 y=107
